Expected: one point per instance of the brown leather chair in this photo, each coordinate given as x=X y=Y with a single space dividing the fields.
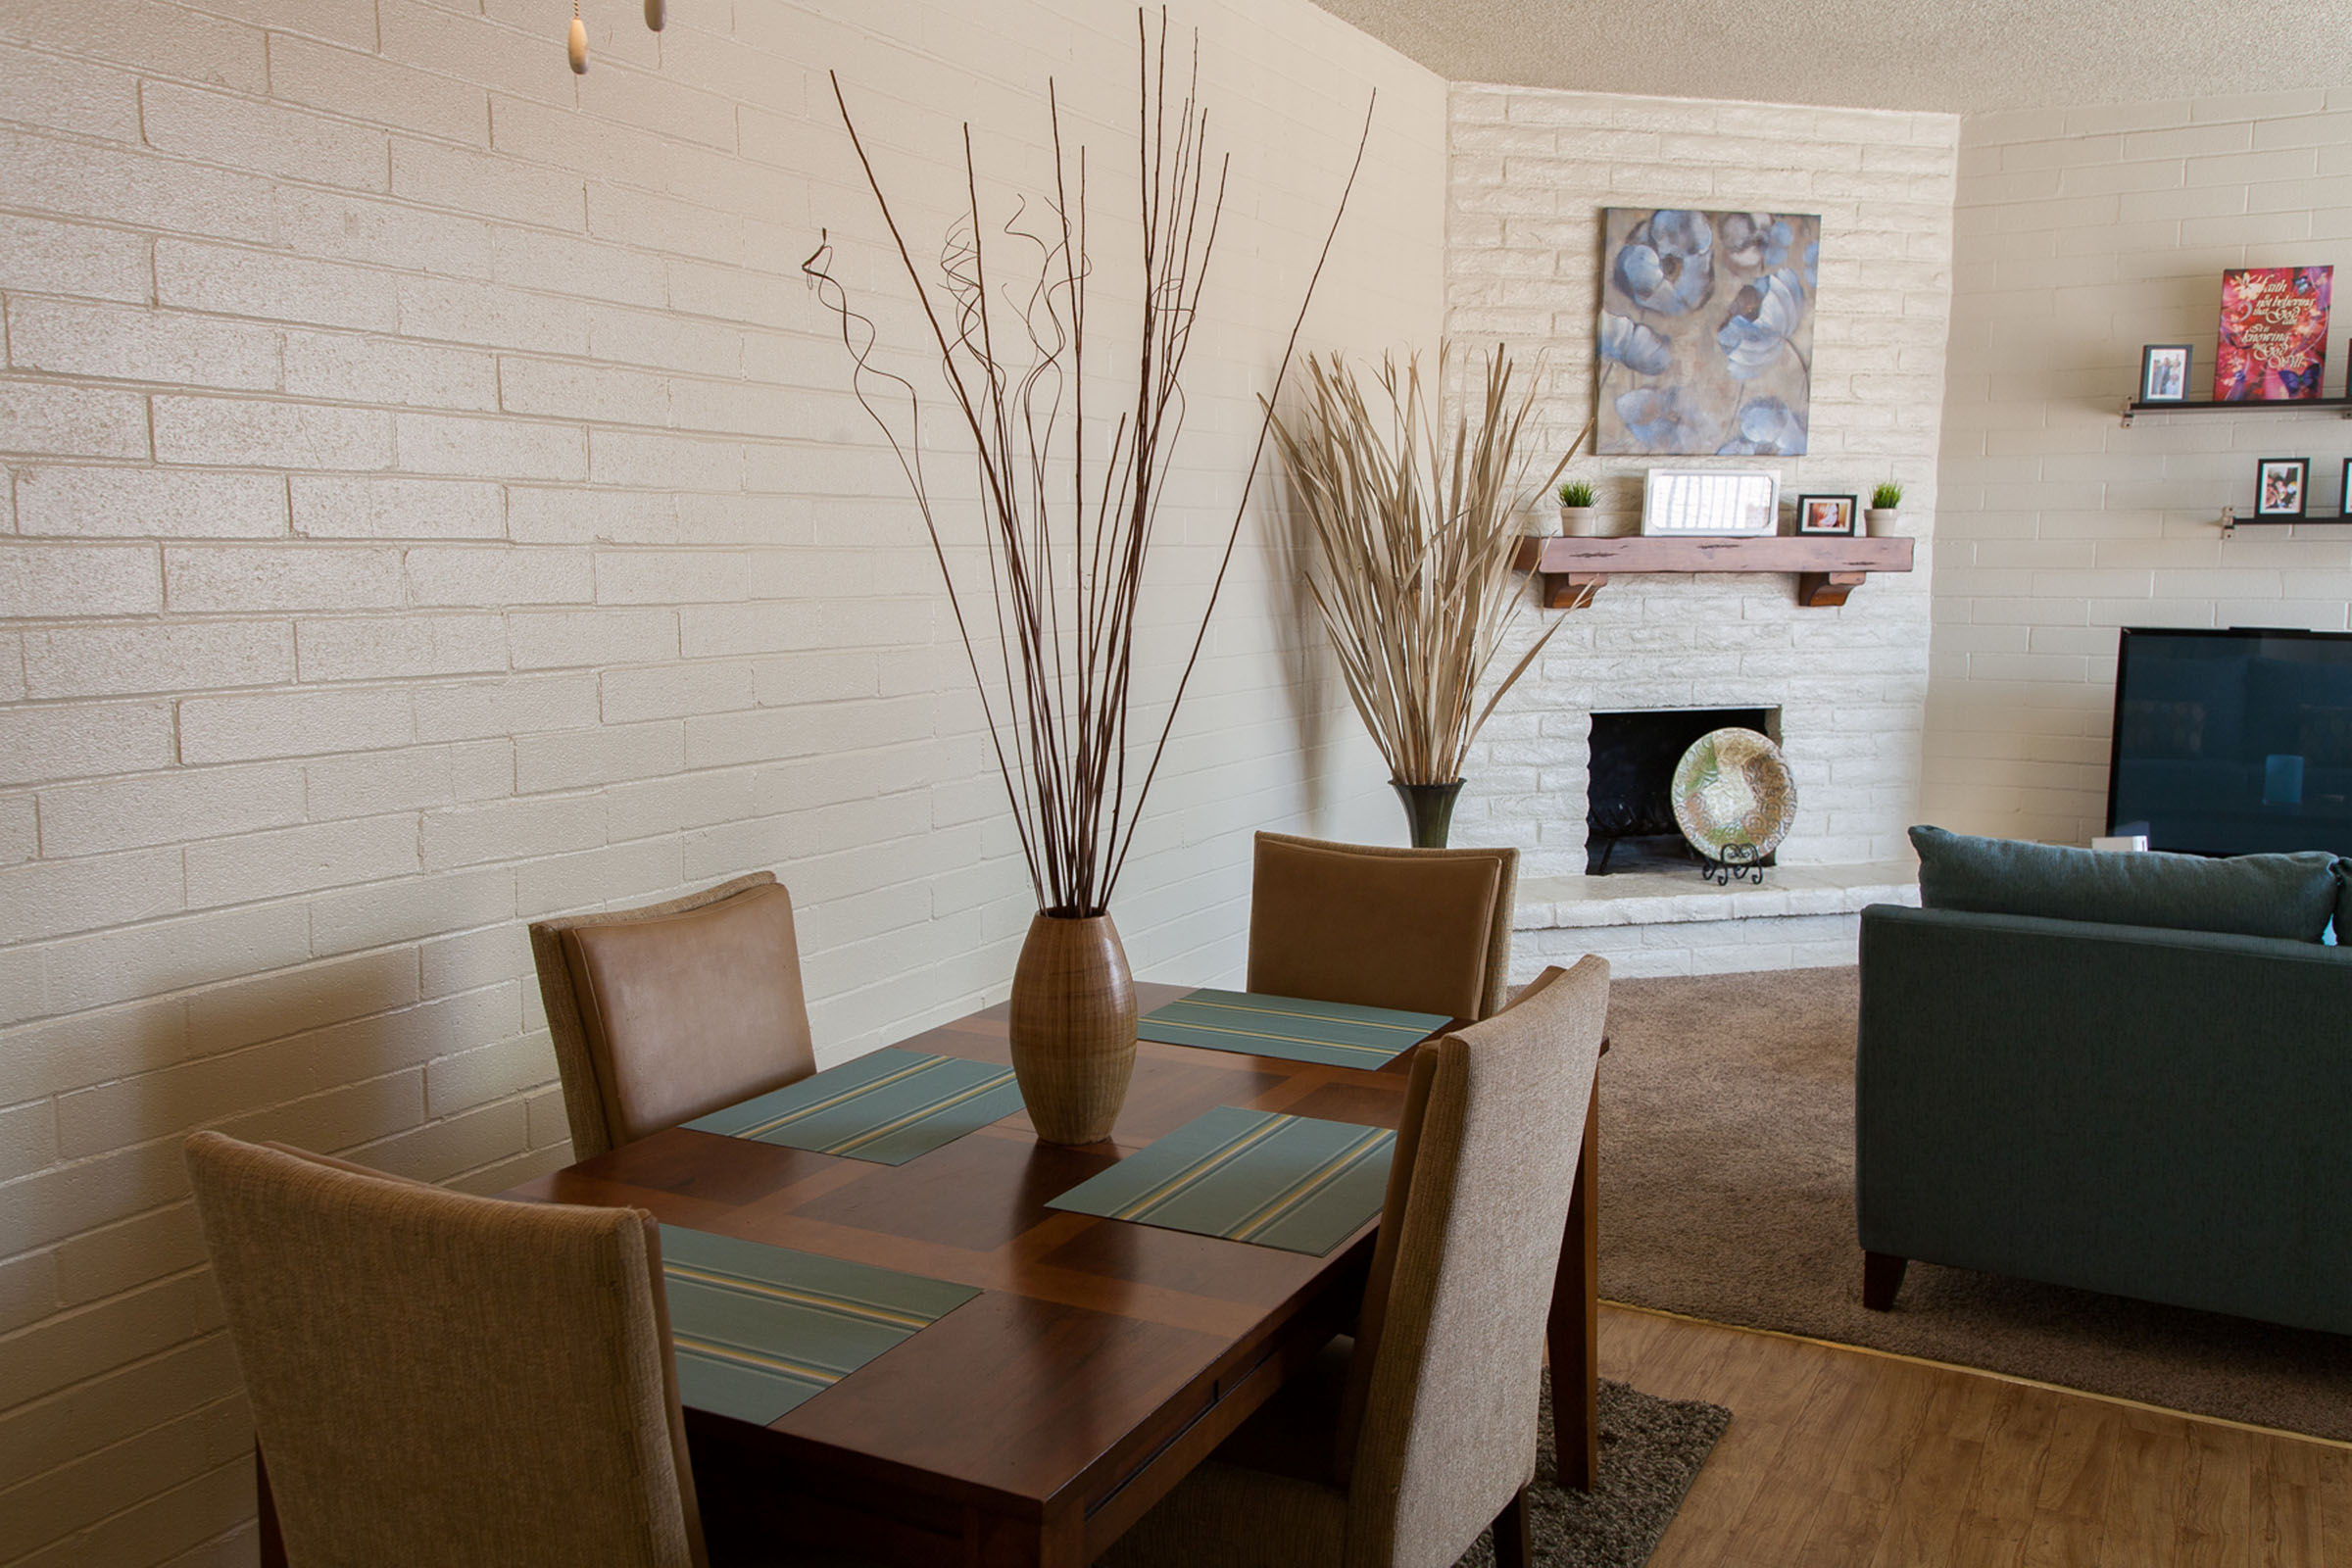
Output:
x=667 y=1013
x=438 y=1378
x=1423 y=930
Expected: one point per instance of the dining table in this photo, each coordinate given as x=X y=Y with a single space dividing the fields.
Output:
x=1101 y=1359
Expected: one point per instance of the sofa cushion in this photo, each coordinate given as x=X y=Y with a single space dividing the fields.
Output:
x=2287 y=896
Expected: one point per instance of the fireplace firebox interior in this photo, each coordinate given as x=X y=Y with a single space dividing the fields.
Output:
x=1629 y=815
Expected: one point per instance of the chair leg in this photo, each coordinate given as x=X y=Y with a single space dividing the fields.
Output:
x=1881 y=1277
x=1514 y=1536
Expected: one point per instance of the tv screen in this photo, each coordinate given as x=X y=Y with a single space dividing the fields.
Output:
x=2232 y=742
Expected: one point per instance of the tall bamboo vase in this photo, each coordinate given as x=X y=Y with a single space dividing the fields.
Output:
x=1074 y=1026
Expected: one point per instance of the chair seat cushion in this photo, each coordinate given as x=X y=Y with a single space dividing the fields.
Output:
x=1265 y=1498
x=2284 y=895
x=1295 y=1432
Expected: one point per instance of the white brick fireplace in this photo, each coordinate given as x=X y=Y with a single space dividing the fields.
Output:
x=1530 y=172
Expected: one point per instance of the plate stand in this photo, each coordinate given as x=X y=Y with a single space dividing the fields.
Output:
x=1739 y=861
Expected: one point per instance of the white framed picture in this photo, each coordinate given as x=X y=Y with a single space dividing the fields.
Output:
x=1722 y=503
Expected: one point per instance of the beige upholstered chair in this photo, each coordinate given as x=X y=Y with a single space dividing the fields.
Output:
x=444 y=1379
x=1400 y=1448
x=667 y=1013
x=1424 y=930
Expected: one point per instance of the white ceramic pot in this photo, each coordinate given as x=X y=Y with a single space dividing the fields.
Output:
x=1879 y=522
x=1580 y=522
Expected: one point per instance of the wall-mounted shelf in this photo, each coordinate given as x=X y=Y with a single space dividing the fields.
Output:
x=2341 y=408
x=1827 y=566
x=2231 y=521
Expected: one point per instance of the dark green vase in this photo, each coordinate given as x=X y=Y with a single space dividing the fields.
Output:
x=1428 y=810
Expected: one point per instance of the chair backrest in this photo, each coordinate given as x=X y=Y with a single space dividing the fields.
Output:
x=667 y=1013
x=438 y=1378
x=1424 y=930
x=1439 y=1430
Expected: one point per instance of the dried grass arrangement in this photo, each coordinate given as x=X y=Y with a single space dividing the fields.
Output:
x=1070 y=474
x=1414 y=541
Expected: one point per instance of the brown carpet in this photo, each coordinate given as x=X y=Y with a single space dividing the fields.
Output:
x=1650 y=1452
x=1726 y=1155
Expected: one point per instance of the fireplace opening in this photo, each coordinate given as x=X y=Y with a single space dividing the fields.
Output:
x=1628 y=777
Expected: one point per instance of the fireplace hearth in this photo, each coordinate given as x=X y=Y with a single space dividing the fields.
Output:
x=1629 y=815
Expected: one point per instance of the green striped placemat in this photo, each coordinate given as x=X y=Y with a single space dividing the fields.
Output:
x=1258 y=1176
x=888 y=1106
x=760 y=1328
x=1338 y=1034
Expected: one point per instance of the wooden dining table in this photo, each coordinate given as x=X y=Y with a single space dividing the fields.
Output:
x=1103 y=1359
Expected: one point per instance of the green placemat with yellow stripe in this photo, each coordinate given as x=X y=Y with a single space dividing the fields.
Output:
x=760 y=1328
x=1260 y=1176
x=888 y=1106
x=1338 y=1034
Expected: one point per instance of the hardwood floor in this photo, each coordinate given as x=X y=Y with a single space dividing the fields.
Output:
x=1844 y=1458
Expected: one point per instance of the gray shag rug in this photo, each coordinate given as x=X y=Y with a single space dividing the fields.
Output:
x=1650 y=1452
x=1727 y=1182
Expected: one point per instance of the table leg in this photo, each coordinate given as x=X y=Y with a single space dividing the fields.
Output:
x=273 y=1544
x=1574 y=1330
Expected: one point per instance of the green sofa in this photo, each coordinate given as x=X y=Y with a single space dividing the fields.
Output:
x=2135 y=1108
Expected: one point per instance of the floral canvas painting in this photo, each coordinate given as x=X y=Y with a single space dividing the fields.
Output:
x=1706 y=331
x=2273 y=342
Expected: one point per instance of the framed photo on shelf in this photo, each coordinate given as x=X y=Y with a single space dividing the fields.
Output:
x=2281 y=486
x=2164 y=372
x=1818 y=514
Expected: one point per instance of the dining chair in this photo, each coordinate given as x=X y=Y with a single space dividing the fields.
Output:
x=669 y=1012
x=1422 y=930
x=439 y=1377
x=1399 y=1446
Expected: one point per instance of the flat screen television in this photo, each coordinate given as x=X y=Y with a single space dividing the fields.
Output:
x=2232 y=742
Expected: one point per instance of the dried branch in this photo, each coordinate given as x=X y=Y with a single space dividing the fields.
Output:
x=1415 y=540
x=1065 y=577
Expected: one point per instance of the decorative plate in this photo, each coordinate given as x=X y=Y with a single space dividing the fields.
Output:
x=1732 y=789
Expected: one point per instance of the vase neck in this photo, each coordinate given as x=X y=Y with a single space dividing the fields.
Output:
x=1428 y=810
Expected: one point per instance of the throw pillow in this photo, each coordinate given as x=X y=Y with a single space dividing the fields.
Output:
x=2287 y=896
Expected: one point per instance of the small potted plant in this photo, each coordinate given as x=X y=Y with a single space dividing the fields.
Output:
x=1577 y=514
x=1878 y=517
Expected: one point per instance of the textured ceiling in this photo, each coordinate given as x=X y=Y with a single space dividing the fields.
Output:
x=1967 y=56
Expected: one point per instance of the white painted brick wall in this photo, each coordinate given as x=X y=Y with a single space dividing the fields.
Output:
x=1531 y=172
x=429 y=500
x=2082 y=236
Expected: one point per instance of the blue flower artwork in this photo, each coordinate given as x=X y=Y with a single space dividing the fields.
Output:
x=1705 y=340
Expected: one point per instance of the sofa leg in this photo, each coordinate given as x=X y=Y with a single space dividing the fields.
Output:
x=1514 y=1537
x=1881 y=1277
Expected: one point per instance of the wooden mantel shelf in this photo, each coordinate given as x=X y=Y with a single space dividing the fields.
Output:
x=1827 y=566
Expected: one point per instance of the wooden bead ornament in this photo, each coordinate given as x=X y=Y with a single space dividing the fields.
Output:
x=578 y=48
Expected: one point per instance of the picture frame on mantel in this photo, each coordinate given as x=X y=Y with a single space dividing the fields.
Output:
x=1819 y=516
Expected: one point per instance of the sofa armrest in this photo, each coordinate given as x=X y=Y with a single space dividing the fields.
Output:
x=2166 y=1115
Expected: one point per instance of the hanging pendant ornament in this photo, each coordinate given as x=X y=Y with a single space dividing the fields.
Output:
x=578 y=48
x=657 y=13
